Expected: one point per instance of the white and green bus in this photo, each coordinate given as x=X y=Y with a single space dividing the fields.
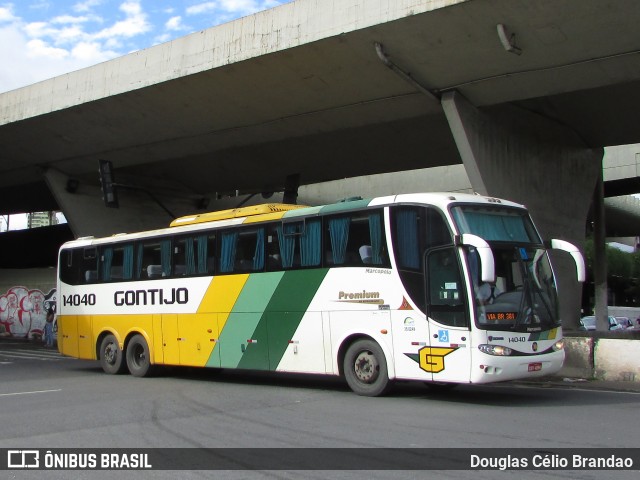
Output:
x=437 y=288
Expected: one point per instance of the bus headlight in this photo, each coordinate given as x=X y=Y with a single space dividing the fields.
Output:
x=496 y=350
x=559 y=345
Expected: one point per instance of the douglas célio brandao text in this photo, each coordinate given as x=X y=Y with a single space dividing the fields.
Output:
x=551 y=461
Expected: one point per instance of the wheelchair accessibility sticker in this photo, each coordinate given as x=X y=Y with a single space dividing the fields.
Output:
x=443 y=336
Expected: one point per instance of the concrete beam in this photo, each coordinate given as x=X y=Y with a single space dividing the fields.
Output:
x=87 y=214
x=514 y=154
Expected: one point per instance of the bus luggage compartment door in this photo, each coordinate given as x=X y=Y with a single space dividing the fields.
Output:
x=68 y=335
x=244 y=342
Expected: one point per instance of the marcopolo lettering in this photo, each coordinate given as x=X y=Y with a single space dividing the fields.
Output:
x=151 y=296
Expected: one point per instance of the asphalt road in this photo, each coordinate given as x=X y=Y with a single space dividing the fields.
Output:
x=49 y=401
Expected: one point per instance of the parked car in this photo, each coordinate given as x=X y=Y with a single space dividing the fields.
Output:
x=589 y=323
x=625 y=322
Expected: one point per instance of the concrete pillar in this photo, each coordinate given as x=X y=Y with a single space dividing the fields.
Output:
x=88 y=216
x=600 y=258
x=522 y=156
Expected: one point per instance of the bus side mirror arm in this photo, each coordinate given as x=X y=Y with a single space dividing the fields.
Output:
x=488 y=268
x=575 y=253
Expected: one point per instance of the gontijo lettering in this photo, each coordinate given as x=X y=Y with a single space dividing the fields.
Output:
x=151 y=296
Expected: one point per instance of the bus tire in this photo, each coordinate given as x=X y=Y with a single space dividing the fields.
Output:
x=365 y=369
x=111 y=358
x=138 y=360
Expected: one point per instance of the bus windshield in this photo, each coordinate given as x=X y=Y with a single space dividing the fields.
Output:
x=495 y=224
x=523 y=297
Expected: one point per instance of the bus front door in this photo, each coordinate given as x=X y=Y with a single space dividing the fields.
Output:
x=448 y=357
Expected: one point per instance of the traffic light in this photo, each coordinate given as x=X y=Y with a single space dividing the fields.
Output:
x=107 y=184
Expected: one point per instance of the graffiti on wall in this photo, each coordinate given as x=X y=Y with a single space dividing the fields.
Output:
x=23 y=312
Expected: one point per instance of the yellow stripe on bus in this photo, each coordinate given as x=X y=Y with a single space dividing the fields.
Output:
x=221 y=295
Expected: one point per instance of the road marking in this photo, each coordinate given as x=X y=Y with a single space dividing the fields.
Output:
x=43 y=351
x=28 y=393
x=31 y=355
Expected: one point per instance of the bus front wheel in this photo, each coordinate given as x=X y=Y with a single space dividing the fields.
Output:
x=365 y=368
x=111 y=359
x=138 y=360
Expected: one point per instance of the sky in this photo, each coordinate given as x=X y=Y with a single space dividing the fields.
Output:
x=41 y=39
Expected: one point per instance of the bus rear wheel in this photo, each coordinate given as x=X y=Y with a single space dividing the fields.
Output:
x=365 y=368
x=111 y=359
x=138 y=360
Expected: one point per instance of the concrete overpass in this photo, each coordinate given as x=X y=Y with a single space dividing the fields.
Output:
x=524 y=94
x=621 y=175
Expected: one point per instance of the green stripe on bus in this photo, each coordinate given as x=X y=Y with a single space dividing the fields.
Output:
x=257 y=292
x=282 y=317
x=304 y=284
x=244 y=318
x=344 y=206
x=302 y=212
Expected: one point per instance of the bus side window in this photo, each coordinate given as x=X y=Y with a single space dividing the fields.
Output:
x=183 y=258
x=337 y=238
x=376 y=245
x=310 y=242
x=153 y=259
x=227 y=253
x=205 y=253
x=71 y=266
x=79 y=266
x=273 y=259
x=407 y=235
x=356 y=239
x=437 y=232
x=250 y=250
x=90 y=264
x=242 y=251
x=116 y=263
x=294 y=244
x=194 y=255
x=288 y=235
x=358 y=244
